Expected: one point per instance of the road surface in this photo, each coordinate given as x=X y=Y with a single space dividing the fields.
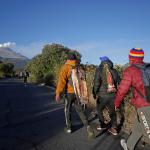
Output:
x=31 y=120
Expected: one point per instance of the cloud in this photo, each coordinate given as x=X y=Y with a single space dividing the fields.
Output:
x=117 y=49
x=7 y=44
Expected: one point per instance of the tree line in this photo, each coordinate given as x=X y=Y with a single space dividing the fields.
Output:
x=6 y=69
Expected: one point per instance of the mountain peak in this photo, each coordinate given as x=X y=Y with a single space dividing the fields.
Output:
x=8 y=55
x=6 y=52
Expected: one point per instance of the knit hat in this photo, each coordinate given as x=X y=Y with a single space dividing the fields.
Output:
x=136 y=54
x=104 y=58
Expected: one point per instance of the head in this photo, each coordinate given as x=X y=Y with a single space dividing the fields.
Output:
x=72 y=56
x=106 y=60
x=136 y=55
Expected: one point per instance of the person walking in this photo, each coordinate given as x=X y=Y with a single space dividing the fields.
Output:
x=65 y=83
x=104 y=90
x=135 y=76
x=25 y=76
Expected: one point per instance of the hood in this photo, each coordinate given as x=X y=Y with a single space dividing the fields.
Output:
x=141 y=65
x=136 y=62
x=109 y=62
x=71 y=62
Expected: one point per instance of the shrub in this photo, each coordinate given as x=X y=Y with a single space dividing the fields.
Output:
x=49 y=79
x=46 y=66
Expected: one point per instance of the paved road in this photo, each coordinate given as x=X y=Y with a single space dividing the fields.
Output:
x=31 y=120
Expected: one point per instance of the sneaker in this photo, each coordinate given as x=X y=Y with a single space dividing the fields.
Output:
x=68 y=130
x=113 y=131
x=101 y=127
x=143 y=144
x=123 y=144
x=90 y=132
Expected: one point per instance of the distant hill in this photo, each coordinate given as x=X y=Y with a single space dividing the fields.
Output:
x=6 y=52
x=9 y=55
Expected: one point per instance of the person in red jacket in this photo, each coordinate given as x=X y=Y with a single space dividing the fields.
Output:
x=132 y=77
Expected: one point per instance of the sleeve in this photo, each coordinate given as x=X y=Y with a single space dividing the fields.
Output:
x=62 y=81
x=118 y=79
x=97 y=82
x=123 y=88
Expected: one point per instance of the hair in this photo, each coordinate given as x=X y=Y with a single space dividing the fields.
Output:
x=72 y=56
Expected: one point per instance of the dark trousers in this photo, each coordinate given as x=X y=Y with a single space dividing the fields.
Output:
x=69 y=101
x=25 y=79
x=106 y=101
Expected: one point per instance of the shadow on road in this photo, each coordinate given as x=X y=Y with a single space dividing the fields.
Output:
x=31 y=120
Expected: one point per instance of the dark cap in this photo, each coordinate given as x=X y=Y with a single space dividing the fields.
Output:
x=72 y=56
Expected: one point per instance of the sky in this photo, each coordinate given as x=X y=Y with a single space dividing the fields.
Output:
x=95 y=28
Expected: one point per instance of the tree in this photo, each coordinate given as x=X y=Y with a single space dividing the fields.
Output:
x=45 y=67
x=6 y=69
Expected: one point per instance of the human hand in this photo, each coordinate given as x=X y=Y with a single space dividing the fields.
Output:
x=117 y=108
x=57 y=98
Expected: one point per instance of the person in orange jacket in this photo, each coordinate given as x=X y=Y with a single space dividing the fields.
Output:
x=64 y=83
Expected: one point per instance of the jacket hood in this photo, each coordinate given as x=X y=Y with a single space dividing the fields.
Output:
x=109 y=62
x=71 y=62
x=141 y=65
x=136 y=62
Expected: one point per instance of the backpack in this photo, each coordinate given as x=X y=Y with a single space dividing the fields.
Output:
x=78 y=81
x=146 y=80
x=107 y=79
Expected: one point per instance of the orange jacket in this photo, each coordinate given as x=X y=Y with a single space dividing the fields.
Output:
x=64 y=76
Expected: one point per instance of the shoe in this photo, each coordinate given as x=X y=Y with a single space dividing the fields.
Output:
x=143 y=144
x=101 y=127
x=123 y=144
x=68 y=130
x=90 y=132
x=113 y=131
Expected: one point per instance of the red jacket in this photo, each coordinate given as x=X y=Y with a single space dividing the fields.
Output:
x=132 y=78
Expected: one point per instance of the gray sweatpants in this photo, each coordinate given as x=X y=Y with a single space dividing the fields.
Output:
x=141 y=127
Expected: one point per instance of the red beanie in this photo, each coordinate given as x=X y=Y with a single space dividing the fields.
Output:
x=136 y=54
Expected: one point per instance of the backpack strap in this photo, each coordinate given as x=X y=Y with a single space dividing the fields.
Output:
x=108 y=79
x=142 y=69
x=70 y=78
x=139 y=92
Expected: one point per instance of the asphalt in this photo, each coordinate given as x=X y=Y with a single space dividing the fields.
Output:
x=30 y=119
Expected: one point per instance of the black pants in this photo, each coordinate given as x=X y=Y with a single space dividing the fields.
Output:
x=102 y=102
x=25 y=79
x=69 y=101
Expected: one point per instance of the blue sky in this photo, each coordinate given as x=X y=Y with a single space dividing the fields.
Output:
x=93 y=27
